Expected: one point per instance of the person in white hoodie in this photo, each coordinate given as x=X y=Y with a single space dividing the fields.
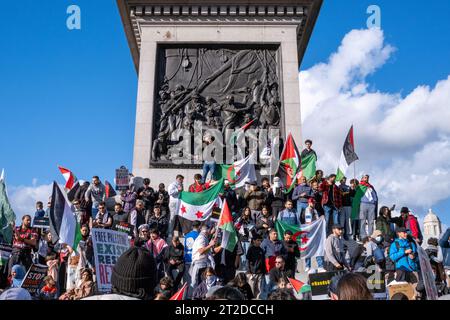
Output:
x=174 y=191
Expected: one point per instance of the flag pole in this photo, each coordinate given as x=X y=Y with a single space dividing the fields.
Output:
x=220 y=218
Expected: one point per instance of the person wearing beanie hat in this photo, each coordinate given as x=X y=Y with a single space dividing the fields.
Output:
x=133 y=276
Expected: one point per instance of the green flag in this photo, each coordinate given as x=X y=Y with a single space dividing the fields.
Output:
x=7 y=215
x=309 y=165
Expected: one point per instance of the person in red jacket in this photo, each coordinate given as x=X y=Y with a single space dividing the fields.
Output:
x=198 y=186
x=410 y=222
x=331 y=200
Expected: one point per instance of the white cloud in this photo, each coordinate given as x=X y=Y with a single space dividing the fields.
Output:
x=23 y=198
x=403 y=142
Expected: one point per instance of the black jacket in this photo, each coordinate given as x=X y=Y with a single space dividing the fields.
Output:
x=256 y=260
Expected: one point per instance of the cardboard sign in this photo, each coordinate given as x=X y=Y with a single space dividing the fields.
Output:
x=405 y=288
x=123 y=227
x=33 y=280
x=108 y=247
x=122 y=179
x=43 y=223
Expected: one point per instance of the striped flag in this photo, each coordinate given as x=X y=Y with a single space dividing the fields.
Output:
x=236 y=134
x=229 y=234
x=180 y=293
x=298 y=286
x=69 y=177
x=348 y=155
x=197 y=206
x=63 y=224
x=290 y=164
x=7 y=215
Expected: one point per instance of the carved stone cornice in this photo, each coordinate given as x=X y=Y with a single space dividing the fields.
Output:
x=137 y=13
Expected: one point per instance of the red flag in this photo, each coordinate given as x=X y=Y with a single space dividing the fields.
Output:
x=296 y=284
x=69 y=177
x=180 y=294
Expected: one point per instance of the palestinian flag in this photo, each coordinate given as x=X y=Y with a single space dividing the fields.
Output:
x=238 y=173
x=109 y=190
x=299 y=286
x=290 y=164
x=69 y=177
x=7 y=215
x=348 y=156
x=309 y=165
x=63 y=224
x=361 y=190
x=236 y=134
x=310 y=237
x=197 y=206
x=180 y=293
x=229 y=234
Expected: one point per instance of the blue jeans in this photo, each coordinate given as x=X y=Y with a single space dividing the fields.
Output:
x=94 y=212
x=331 y=211
x=301 y=206
x=245 y=246
x=208 y=167
x=319 y=260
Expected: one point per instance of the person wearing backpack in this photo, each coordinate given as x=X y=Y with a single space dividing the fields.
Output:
x=403 y=252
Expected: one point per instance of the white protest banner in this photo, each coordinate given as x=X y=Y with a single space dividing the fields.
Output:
x=108 y=247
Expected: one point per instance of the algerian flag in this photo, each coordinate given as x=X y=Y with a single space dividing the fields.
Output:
x=229 y=234
x=7 y=215
x=290 y=164
x=197 y=206
x=63 y=223
x=238 y=173
x=348 y=155
x=310 y=237
x=309 y=165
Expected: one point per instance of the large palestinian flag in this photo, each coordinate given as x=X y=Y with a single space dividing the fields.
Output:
x=348 y=155
x=197 y=206
x=290 y=164
x=63 y=223
x=237 y=173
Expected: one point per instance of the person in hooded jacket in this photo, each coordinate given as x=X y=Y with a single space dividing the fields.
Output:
x=403 y=252
x=209 y=280
x=385 y=225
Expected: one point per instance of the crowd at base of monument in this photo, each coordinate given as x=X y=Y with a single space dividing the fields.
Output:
x=250 y=250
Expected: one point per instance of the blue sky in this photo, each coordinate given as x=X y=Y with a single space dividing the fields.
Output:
x=68 y=97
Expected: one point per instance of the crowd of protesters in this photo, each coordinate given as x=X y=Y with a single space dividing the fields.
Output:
x=162 y=258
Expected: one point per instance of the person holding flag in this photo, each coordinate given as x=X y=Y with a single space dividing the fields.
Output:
x=289 y=165
x=309 y=159
x=364 y=206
